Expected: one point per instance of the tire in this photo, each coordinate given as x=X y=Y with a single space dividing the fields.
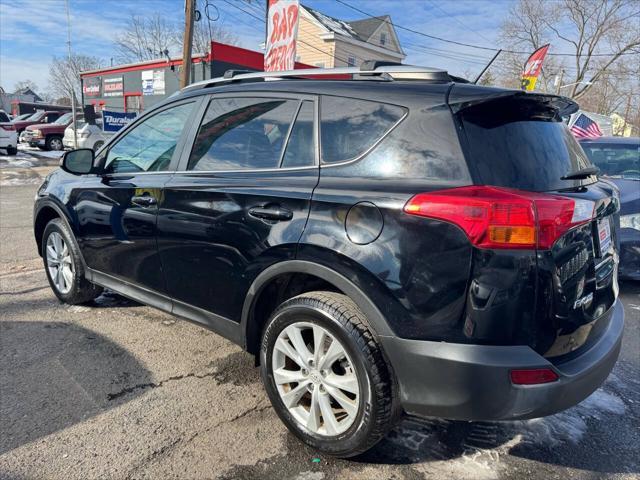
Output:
x=12 y=151
x=376 y=405
x=98 y=145
x=54 y=142
x=72 y=287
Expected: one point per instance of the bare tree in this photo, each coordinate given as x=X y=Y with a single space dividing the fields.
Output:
x=64 y=74
x=24 y=84
x=147 y=38
x=585 y=28
x=206 y=31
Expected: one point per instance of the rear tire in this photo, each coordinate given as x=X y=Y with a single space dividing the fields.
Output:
x=63 y=265
x=339 y=398
x=12 y=151
x=98 y=145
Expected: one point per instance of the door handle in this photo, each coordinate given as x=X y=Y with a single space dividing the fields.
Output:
x=271 y=213
x=144 y=200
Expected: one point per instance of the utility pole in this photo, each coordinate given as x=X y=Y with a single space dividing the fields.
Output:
x=189 y=9
x=626 y=115
x=73 y=89
x=559 y=81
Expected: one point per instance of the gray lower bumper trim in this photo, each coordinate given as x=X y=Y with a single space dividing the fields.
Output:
x=471 y=382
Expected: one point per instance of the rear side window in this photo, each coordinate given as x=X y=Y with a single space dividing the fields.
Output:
x=4 y=117
x=242 y=133
x=349 y=127
x=522 y=145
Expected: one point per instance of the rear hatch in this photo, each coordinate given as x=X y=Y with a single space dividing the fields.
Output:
x=518 y=141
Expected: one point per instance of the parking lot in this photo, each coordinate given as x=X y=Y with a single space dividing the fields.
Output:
x=114 y=389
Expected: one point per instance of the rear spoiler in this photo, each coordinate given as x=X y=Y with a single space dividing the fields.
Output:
x=463 y=96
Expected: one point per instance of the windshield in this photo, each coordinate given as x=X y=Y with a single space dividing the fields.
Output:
x=64 y=119
x=24 y=116
x=36 y=116
x=521 y=145
x=615 y=160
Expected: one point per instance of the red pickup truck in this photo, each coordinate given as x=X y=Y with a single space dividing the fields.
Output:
x=36 y=118
x=48 y=136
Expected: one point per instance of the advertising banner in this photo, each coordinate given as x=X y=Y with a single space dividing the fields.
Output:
x=282 y=30
x=113 y=87
x=532 y=68
x=114 y=121
x=91 y=87
x=153 y=82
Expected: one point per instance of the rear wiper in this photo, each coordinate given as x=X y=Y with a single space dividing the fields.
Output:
x=581 y=173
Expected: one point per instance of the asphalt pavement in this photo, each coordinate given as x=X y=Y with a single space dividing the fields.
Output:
x=118 y=390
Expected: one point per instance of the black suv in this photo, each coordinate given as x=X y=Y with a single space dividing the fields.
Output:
x=400 y=240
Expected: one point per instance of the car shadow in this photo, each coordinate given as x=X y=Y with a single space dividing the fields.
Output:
x=573 y=438
x=57 y=374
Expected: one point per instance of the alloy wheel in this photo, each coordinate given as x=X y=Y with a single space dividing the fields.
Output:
x=316 y=379
x=59 y=263
x=55 y=144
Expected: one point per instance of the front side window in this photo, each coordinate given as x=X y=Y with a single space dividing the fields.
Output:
x=349 y=127
x=150 y=145
x=242 y=133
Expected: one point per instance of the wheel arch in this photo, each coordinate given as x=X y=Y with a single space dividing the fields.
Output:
x=251 y=326
x=46 y=211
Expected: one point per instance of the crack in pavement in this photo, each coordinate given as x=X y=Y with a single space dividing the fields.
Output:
x=185 y=440
x=142 y=386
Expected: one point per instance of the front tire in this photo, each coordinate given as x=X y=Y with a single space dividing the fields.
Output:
x=63 y=265
x=12 y=151
x=325 y=374
x=54 y=143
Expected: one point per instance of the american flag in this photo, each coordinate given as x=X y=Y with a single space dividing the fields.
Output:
x=584 y=127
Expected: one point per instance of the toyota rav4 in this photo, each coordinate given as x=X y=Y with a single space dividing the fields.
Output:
x=398 y=240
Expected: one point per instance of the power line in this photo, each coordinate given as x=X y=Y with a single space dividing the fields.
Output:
x=433 y=37
x=299 y=41
x=435 y=5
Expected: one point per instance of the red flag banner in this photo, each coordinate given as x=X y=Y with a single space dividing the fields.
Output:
x=532 y=68
x=282 y=30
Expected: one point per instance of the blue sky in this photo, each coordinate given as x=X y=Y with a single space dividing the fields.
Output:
x=32 y=31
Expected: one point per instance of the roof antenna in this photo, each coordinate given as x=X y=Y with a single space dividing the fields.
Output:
x=487 y=67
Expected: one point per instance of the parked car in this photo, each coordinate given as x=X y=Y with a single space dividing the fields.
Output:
x=48 y=136
x=618 y=159
x=89 y=135
x=400 y=241
x=37 y=117
x=8 y=138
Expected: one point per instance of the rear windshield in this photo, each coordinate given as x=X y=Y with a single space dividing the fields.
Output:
x=521 y=145
x=615 y=160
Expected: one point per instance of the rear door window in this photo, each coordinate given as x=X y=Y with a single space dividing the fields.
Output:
x=349 y=127
x=300 y=151
x=242 y=133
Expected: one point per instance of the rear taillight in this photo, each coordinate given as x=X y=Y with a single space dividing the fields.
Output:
x=494 y=217
x=8 y=127
x=533 y=376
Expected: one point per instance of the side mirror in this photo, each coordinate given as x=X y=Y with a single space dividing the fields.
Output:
x=78 y=162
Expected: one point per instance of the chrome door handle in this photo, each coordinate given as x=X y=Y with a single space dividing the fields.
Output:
x=271 y=213
x=144 y=200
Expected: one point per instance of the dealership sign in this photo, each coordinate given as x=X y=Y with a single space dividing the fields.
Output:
x=114 y=121
x=113 y=87
x=91 y=87
x=282 y=30
x=532 y=68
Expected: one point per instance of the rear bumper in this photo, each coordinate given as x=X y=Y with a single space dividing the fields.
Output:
x=471 y=382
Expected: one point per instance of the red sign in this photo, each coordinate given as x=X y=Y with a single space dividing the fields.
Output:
x=532 y=68
x=282 y=30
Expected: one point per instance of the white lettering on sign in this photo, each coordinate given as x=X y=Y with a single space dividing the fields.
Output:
x=282 y=30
